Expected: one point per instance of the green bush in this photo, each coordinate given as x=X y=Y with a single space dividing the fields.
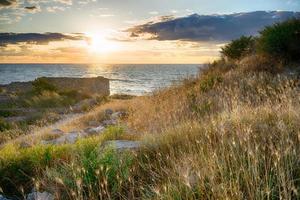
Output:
x=7 y=113
x=42 y=84
x=238 y=48
x=209 y=82
x=281 y=40
x=4 y=125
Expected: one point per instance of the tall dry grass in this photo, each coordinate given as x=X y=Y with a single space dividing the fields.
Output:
x=228 y=134
x=231 y=133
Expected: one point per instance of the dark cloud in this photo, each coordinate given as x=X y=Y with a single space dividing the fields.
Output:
x=210 y=27
x=7 y=2
x=37 y=38
x=30 y=7
x=33 y=9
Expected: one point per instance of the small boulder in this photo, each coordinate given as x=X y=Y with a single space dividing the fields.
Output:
x=93 y=123
x=109 y=112
x=96 y=130
x=3 y=198
x=40 y=196
x=68 y=138
x=118 y=114
x=121 y=145
x=109 y=122
x=71 y=137
x=57 y=132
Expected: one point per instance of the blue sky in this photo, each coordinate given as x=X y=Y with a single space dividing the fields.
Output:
x=130 y=31
x=75 y=16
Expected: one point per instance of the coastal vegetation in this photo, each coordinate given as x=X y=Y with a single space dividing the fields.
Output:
x=232 y=132
x=40 y=106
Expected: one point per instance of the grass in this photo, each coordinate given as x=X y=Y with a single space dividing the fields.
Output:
x=229 y=133
x=232 y=132
x=19 y=168
x=41 y=107
x=4 y=125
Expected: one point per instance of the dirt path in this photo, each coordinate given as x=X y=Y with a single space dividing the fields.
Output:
x=38 y=132
x=70 y=123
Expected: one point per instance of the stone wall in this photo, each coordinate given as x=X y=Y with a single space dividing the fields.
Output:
x=98 y=85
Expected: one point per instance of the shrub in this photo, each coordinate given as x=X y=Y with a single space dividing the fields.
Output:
x=281 y=40
x=238 y=48
x=260 y=63
x=46 y=99
x=42 y=84
x=209 y=82
x=6 y=113
x=4 y=125
x=121 y=96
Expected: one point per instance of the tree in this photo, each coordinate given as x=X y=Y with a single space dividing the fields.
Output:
x=238 y=48
x=281 y=40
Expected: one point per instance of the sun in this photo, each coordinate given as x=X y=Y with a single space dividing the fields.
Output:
x=100 y=44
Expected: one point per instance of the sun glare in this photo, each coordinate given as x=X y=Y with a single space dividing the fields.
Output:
x=100 y=44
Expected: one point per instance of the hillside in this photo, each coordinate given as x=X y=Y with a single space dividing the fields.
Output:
x=232 y=132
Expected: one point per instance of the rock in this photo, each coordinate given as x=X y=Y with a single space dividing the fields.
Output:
x=109 y=112
x=57 y=132
x=72 y=137
x=3 y=198
x=122 y=145
x=93 y=123
x=24 y=145
x=40 y=196
x=117 y=115
x=68 y=138
x=109 y=122
x=96 y=130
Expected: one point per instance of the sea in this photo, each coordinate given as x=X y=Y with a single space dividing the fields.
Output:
x=132 y=79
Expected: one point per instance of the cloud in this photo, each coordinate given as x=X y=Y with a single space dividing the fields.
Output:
x=153 y=13
x=84 y=2
x=68 y=2
x=37 y=38
x=30 y=7
x=11 y=16
x=209 y=27
x=107 y=15
x=7 y=2
x=102 y=15
x=55 y=8
x=33 y=9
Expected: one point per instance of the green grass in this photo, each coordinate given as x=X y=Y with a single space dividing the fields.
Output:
x=19 y=168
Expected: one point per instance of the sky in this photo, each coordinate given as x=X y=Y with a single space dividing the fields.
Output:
x=130 y=31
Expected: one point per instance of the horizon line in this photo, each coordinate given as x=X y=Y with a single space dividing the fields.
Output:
x=105 y=63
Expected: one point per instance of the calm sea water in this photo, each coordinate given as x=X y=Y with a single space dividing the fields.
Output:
x=124 y=78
